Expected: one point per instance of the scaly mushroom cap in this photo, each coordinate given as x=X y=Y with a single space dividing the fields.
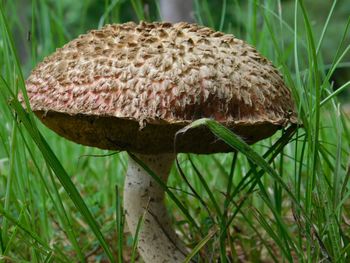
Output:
x=132 y=86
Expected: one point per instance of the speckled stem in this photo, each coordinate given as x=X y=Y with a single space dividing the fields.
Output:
x=157 y=240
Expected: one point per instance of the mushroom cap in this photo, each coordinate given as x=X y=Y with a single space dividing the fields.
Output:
x=133 y=86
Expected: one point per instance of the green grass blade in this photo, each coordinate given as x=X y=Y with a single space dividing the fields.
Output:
x=108 y=10
x=335 y=93
x=136 y=237
x=200 y=245
x=8 y=195
x=120 y=224
x=198 y=12
x=223 y=13
x=325 y=27
x=137 y=5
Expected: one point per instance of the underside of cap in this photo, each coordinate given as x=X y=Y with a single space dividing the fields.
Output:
x=154 y=78
x=113 y=133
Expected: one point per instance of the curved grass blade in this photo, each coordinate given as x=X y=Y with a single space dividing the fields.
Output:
x=200 y=245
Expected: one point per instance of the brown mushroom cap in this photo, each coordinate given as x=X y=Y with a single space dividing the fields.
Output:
x=133 y=86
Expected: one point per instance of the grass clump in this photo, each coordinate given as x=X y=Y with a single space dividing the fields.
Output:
x=283 y=199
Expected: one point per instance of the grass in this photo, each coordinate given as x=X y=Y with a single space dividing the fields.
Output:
x=285 y=199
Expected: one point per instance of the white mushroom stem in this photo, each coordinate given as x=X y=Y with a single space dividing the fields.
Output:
x=157 y=241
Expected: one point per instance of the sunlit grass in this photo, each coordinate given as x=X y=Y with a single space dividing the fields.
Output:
x=283 y=199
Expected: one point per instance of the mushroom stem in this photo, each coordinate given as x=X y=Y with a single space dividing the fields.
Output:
x=157 y=241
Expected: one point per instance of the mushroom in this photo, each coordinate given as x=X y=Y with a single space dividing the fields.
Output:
x=131 y=87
